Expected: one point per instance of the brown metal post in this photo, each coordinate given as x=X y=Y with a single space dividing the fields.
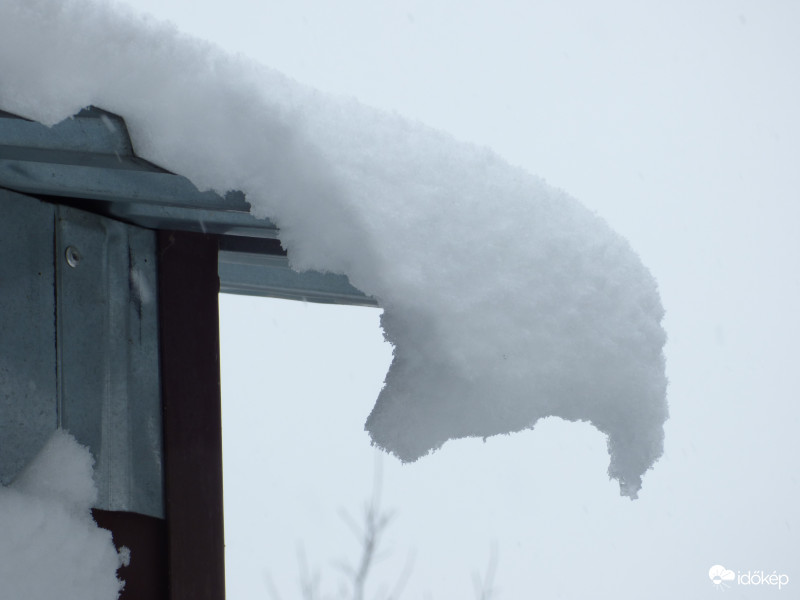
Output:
x=146 y=576
x=190 y=383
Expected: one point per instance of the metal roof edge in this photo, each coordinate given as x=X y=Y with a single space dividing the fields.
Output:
x=88 y=162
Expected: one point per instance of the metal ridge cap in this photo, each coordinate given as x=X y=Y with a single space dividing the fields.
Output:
x=91 y=130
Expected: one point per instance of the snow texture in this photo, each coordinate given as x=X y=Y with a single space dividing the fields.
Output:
x=505 y=299
x=50 y=547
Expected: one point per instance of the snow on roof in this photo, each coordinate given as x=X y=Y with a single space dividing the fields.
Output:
x=505 y=299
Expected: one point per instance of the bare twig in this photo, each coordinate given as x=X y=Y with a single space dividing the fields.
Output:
x=273 y=591
x=309 y=582
x=368 y=532
x=484 y=588
x=375 y=521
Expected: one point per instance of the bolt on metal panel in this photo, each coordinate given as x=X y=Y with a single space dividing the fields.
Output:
x=28 y=414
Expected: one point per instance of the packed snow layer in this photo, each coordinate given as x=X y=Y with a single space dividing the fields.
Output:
x=505 y=299
x=50 y=547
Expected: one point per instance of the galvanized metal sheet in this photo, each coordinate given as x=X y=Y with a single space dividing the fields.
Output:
x=92 y=130
x=264 y=275
x=91 y=156
x=28 y=414
x=89 y=162
x=108 y=367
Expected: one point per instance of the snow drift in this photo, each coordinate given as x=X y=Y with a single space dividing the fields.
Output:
x=505 y=299
x=50 y=547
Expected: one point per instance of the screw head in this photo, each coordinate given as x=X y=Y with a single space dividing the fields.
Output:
x=73 y=256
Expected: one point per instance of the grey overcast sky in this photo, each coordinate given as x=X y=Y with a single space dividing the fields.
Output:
x=678 y=123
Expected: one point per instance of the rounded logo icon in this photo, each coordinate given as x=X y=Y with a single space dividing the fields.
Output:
x=719 y=575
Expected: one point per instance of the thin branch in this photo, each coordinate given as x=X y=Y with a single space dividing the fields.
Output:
x=369 y=534
x=484 y=589
x=273 y=591
x=309 y=582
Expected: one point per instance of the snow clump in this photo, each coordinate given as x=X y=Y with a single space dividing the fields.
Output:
x=50 y=547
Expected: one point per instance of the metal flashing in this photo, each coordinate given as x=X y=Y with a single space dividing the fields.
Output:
x=88 y=162
x=79 y=332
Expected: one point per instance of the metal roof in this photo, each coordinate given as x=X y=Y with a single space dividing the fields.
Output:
x=88 y=162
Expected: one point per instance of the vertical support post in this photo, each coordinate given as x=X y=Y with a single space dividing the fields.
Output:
x=146 y=577
x=190 y=376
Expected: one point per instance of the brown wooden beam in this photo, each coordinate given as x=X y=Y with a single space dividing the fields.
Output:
x=190 y=382
x=146 y=576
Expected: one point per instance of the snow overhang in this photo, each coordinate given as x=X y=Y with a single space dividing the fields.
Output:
x=506 y=300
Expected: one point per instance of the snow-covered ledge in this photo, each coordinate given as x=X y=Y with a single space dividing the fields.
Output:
x=505 y=299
